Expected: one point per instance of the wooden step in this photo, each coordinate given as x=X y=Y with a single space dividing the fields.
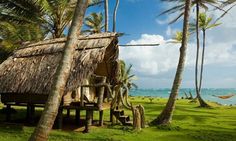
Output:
x=120 y=115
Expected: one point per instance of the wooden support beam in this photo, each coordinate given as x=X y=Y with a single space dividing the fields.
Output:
x=101 y=91
x=101 y=118
x=88 y=122
x=81 y=97
x=59 y=119
x=8 y=113
x=77 y=117
x=68 y=113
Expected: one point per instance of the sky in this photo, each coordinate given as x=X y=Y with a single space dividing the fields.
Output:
x=155 y=67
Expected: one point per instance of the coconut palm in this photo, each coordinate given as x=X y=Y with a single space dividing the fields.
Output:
x=106 y=7
x=167 y=113
x=179 y=8
x=48 y=116
x=52 y=15
x=125 y=83
x=114 y=15
x=125 y=77
x=94 y=22
x=204 y=24
x=13 y=35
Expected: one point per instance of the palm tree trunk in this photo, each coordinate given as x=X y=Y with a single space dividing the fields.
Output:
x=197 y=52
x=203 y=56
x=166 y=115
x=106 y=15
x=114 y=15
x=47 y=119
x=201 y=101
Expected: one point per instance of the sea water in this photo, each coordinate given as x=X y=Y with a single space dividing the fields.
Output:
x=206 y=93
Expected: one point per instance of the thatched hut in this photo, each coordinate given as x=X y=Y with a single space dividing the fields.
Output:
x=26 y=77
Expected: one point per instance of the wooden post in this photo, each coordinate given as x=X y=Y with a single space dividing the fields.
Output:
x=28 y=113
x=81 y=97
x=59 y=118
x=77 y=117
x=89 y=116
x=8 y=113
x=137 y=120
x=142 y=115
x=101 y=91
x=67 y=112
x=101 y=118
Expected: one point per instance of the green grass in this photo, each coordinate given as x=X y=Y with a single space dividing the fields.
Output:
x=190 y=123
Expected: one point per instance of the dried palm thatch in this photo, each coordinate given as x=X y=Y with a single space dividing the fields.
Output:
x=31 y=69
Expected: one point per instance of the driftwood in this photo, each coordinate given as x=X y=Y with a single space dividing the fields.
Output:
x=138 y=117
x=142 y=115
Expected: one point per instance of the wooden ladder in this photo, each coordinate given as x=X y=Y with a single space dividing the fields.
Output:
x=120 y=115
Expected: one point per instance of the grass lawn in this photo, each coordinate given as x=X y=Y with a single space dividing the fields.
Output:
x=190 y=123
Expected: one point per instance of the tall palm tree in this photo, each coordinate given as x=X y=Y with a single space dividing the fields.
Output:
x=106 y=7
x=204 y=24
x=94 y=22
x=167 y=113
x=48 y=116
x=114 y=15
x=52 y=15
x=179 y=8
x=199 y=3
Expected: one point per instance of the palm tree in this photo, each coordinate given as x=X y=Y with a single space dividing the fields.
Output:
x=45 y=124
x=198 y=3
x=167 y=113
x=53 y=15
x=114 y=16
x=204 y=24
x=106 y=15
x=13 y=35
x=125 y=83
x=94 y=22
x=125 y=77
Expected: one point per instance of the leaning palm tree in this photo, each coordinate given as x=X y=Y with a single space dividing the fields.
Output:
x=179 y=8
x=48 y=116
x=167 y=113
x=94 y=23
x=204 y=24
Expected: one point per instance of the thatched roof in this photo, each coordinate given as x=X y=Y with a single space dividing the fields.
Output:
x=31 y=69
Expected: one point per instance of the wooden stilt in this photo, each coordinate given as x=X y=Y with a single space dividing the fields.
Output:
x=101 y=118
x=88 y=122
x=32 y=113
x=28 y=113
x=8 y=113
x=59 y=119
x=68 y=113
x=77 y=117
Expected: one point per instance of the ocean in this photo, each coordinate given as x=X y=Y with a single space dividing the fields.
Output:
x=206 y=94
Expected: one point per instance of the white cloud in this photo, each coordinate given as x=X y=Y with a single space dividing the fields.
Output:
x=150 y=60
x=153 y=64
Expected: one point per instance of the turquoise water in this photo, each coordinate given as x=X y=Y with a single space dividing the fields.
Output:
x=206 y=94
